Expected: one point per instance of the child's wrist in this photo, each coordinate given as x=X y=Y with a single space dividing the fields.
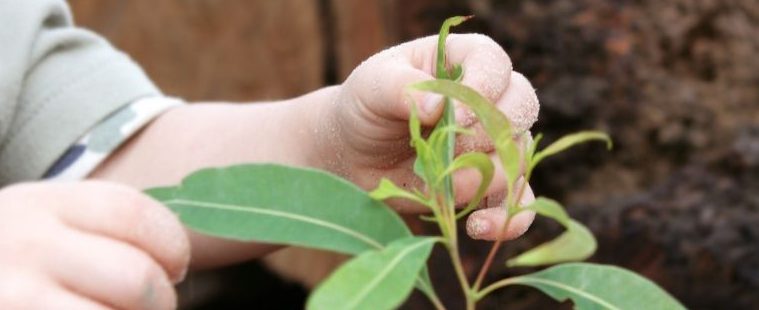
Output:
x=313 y=131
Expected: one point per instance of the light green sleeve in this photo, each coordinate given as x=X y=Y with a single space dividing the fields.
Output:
x=56 y=82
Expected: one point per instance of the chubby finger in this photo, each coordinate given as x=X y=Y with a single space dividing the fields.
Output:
x=488 y=223
x=125 y=214
x=22 y=288
x=58 y=298
x=467 y=181
x=487 y=68
x=381 y=84
x=520 y=103
x=488 y=64
x=479 y=141
x=110 y=272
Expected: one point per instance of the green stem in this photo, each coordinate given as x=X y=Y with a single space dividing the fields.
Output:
x=496 y=285
x=453 y=251
x=436 y=301
x=442 y=217
x=447 y=223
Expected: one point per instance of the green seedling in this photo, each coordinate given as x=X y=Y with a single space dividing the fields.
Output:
x=254 y=202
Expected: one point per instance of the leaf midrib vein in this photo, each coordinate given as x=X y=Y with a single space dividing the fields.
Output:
x=382 y=274
x=329 y=225
x=571 y=289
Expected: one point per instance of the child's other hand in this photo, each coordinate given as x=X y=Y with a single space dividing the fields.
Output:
x=90 y=245
x=366 y=127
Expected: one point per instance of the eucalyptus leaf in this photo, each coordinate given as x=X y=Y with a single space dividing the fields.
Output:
x=387 y=189
x=436 y=139
x=549 y=208
x=495 y=123
x=568 y=141
x=441 y=71
x=575 y=244
x=594 y=286
x=457 y=73
x=380 y=279
x=161 y=193
x=533 y=146
x=283 y=205
x=424 y=162
x=484 y=166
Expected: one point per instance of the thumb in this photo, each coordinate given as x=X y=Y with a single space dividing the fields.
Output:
x=380 y=84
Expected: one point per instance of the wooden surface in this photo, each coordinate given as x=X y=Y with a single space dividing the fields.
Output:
x=217 y=50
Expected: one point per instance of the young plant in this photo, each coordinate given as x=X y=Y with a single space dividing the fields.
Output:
x=254 y=202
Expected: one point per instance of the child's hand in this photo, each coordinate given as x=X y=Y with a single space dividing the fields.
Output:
x=364 y=133
x=89 y=245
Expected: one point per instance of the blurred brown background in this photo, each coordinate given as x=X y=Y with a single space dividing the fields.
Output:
x=676 y=83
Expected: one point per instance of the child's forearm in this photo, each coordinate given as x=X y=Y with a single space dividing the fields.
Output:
x=207 y=135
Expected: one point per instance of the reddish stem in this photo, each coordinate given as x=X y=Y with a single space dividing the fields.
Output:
x=497 y=244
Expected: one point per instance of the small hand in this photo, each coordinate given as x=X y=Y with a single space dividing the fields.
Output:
x=90 y=245
x=365 y=129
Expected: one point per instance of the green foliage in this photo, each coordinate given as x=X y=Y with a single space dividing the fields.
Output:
x=575 y=244
x=257 y=203
x=482 y=163
x=310 y=208
x=442 y=71
x=444 y=149
x=496 y=125
x=387 y=189
x=568 y=141
x=592 y=286
x=379 y=279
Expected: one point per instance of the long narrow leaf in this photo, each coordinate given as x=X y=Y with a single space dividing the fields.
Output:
x=484 y=166
x=283 y=205
x=425 y=162
x=594 y=286
x=387 y=189
x=376 y=279
x=575 y=244
x=549 y=208
x=441 y=71
x=568 y=141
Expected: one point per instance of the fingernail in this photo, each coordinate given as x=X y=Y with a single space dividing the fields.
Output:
x=431 y=103
x=152 y=297
x=477 y=227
